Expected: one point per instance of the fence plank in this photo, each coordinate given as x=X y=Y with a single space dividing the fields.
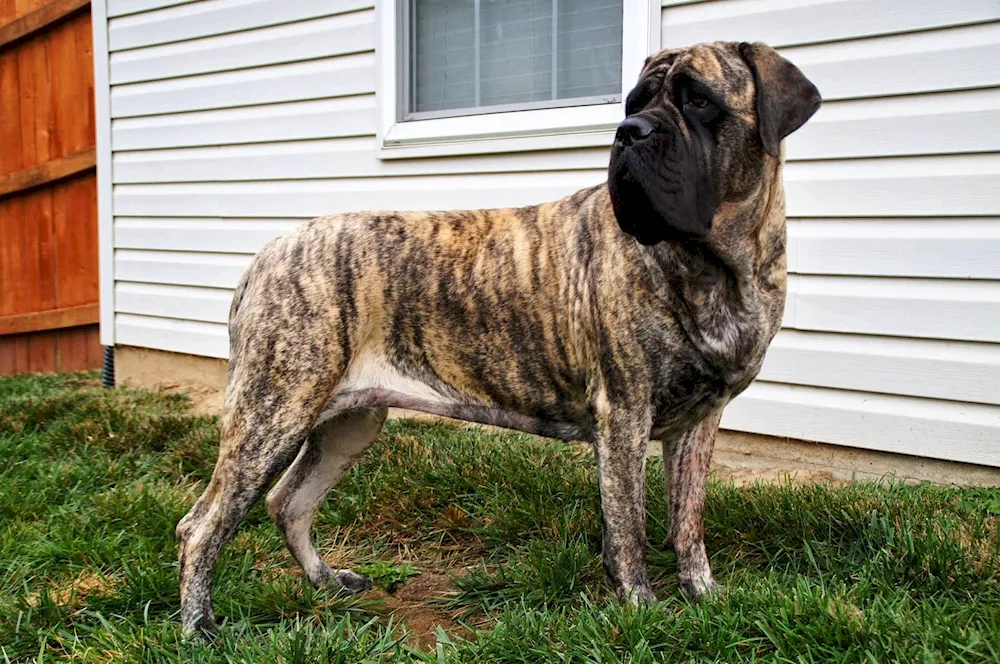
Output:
x=79 y=349
x=48 y=172
x=53 y=319
x=37 y=281
x=38 y=20
x=75 y=233
x=69 y=349
x=42 y=356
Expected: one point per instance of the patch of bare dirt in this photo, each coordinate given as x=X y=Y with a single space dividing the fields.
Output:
x=795 y=476
x=87 y=583
x=414 y=604
x=204 y=400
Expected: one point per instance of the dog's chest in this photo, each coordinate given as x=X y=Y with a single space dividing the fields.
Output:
x=689 y=387
x=686 y=392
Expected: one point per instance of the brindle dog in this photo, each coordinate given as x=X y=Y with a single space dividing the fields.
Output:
x=629 y=311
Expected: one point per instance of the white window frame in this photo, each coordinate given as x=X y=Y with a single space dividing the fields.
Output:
x=507 y=131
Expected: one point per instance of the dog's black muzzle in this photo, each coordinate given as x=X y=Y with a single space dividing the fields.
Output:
x=633 y=129
x=658 y=187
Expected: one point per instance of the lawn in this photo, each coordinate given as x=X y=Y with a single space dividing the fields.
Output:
x=486 y=546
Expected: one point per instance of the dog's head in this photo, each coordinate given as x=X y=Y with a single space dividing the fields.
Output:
x=702 y=127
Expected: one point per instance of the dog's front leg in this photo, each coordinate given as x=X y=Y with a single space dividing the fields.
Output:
x=685 y=467
x=620 y=445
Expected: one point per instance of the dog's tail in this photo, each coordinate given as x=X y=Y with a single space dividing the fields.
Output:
x=241 y=288
x=234 y=308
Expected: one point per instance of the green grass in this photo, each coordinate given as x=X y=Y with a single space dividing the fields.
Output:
x=386 y=575
x=92 y=483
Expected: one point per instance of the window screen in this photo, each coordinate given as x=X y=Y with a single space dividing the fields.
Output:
x=477 y=53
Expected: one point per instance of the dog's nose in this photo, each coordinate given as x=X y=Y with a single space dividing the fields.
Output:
x=632 y=129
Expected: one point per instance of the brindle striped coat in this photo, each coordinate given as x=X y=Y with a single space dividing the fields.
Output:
x=631 y=310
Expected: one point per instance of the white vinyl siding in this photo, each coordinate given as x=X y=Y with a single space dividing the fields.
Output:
x=233 y=121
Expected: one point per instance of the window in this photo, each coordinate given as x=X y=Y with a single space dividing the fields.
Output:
x=468 y=56
x=474 y=76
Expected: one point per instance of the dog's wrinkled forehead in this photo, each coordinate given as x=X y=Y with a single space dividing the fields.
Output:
x=718 y=65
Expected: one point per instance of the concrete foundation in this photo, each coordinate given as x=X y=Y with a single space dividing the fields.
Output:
x=739 y=457
x=203 y=379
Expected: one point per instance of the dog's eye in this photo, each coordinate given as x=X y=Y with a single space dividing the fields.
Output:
x=699 y=101
x=698 y=105
x=692 y=97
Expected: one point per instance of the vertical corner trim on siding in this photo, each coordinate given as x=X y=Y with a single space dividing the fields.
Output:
x=105 y=200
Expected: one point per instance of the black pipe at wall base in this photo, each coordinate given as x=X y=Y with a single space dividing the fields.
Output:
x=108 y=369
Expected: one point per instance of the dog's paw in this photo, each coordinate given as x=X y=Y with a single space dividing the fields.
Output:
x=701 y=587
x=638 y=596
x=203 y=628
x=350 y=582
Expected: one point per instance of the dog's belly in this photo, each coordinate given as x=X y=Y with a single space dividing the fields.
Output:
x=372 y=381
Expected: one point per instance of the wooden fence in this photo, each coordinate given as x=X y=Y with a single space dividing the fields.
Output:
x=48 y=189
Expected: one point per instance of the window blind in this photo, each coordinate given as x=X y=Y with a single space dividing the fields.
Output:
x=477 y=53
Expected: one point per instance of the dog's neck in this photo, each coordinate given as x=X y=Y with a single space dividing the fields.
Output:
x=729 y=290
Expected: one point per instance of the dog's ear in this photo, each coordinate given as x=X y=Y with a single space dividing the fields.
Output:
x=786 y=99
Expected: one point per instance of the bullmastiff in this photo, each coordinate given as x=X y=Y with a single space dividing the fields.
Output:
x=630 y=311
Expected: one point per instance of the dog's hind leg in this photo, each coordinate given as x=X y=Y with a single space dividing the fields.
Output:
x=333 y=446
x=264 y=424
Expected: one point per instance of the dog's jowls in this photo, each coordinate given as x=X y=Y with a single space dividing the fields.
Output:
x=629 y=311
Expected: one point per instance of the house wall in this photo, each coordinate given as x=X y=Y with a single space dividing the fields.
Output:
x=233 y=121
